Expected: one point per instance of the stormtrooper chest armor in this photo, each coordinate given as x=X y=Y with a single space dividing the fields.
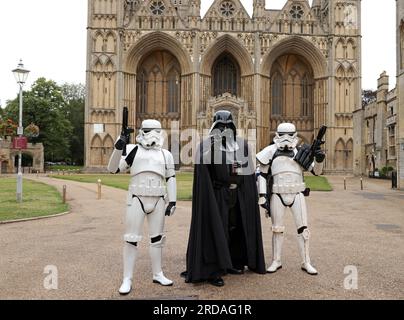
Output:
x=288 y=176
x=148 y=172
x=149 y=160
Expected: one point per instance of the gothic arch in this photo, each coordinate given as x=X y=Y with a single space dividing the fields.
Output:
x=299 y=46
x=226 y=75
x=227 y=43
x=351 y=73
x=97 y=66
x=96 y=151
x=340 y=49
x=109 y=66
x=108 y=148
x=110 y=43
x=98 y=42
x=154 y=42
x=339 y=155
x=340 y=71
x=351 y=49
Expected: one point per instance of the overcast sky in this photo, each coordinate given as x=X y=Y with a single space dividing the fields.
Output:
x=50 y=37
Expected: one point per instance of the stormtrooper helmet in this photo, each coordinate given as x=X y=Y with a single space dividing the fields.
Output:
x=150 y=134
x=286 y=137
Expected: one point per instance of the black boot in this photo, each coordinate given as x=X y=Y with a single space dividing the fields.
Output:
x=217 y=282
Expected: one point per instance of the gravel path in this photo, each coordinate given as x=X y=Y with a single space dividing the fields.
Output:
x=364 y=229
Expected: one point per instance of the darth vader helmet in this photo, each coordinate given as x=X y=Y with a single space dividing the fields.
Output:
x=223 y=123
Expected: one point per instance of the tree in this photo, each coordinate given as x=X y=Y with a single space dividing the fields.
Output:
x=368 y=96
x=44 y=106
x=74 y=95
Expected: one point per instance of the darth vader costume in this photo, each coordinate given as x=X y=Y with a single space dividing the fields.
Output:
x=225 y=234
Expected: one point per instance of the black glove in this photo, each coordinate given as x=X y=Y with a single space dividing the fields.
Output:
x=304 y=156
x=121 y=143
x=170 y=206
x=319 y=155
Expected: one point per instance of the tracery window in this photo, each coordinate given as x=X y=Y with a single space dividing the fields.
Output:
x=173 y=92
x=226 y=76
x=142 y=92
x=296 y=12
x=227 y=8
x=306 y=96
x=157 y=8
x=277 y=95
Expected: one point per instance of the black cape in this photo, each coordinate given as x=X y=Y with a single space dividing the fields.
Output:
x=208 y=253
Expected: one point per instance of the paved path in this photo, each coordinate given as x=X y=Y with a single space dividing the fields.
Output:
x=364 y=229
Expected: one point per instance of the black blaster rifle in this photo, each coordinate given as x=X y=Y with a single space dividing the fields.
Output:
x=306 y=153
x=126 y=131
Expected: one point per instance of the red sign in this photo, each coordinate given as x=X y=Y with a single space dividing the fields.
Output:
x=20 y=143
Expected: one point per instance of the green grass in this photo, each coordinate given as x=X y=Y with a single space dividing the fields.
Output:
x=317 y=183
x=121 y=181
x=184 y=182
x=38 y=200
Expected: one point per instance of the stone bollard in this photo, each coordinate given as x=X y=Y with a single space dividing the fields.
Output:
x=99 y=189
x=344 y=183
x=64 y=193
x=361 y=183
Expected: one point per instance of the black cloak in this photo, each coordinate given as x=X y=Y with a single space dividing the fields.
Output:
x=208 y=253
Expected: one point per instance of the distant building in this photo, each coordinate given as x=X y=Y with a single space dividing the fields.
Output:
x=400 y=93
x=8 y=157
x=379 y=129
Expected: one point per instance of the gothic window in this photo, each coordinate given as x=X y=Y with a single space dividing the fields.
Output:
x=226 y=75
x=306 y=96
x=158 y=86
x=296 y=12
x=227 y=8
x=142 y=92
x=173 y=92
x=157 y=7
x=277 y=95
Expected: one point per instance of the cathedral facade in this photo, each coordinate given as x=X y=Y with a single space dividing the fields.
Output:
x=164 y=61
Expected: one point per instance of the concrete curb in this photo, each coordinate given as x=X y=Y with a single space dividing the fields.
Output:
x=35 y=218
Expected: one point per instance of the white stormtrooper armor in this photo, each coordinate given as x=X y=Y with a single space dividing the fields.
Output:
x=287 y=191
x=152 y=184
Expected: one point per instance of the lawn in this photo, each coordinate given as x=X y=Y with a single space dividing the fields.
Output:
x=317 y=183
x=184 y=182
x=38 y=200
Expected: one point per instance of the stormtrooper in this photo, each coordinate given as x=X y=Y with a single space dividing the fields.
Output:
x=281 y=185
x=151 y=186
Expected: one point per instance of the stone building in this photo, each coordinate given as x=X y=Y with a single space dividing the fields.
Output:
x=379 y=124
x=8 y=157
x=163 y=60
x=400 y=92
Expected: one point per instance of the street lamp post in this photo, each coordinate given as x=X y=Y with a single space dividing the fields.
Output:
x=21 y=75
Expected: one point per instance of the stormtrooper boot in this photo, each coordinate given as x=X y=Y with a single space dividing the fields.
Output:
x=156 y=257
x=277 y=242
x=303 y=240
x=129 y=259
